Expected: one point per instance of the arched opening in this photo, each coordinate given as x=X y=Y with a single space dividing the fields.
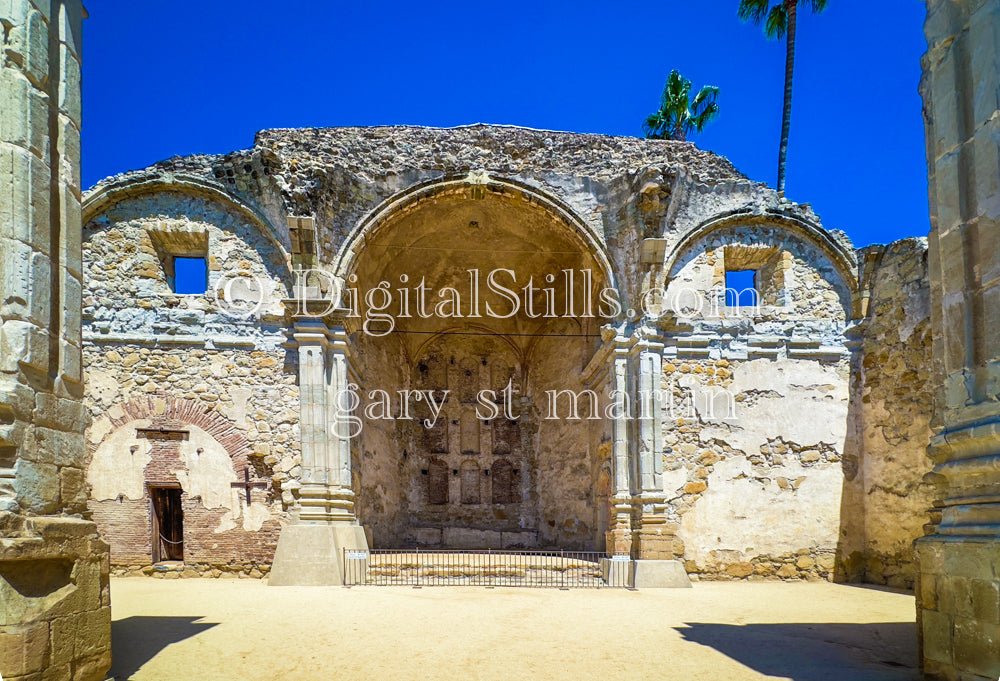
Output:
x=474 y=302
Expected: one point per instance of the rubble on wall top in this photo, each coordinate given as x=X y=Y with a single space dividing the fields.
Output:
x=388 y=150
x=502 y=148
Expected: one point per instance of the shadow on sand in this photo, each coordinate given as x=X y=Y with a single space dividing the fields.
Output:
x=136 y=640
x=816 y=651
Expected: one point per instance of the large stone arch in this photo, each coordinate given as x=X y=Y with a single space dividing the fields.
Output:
x=105 y=195
x=409 y=199
x=811 y=236
x=440 y=231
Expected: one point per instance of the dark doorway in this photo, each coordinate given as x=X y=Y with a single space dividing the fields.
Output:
x=168 y=524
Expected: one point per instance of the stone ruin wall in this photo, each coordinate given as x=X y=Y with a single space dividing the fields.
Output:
x=893 y=395
x=754 y=485
x=156 y=358
x=767 y=497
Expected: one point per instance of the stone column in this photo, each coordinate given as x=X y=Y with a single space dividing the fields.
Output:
x=55 y=614
x=311 y=550
x=958 y=590
x=620 y=534
x=653 y=536
x=344 y=430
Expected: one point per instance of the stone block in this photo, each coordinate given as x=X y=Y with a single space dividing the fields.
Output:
x=937 y=628
x=59 y=413
x=94 y=668
x=24 y=122
x=69 y=86
x=985 y=598
x=59 y=527
x=24 y=649
x=63 y=639
x=946 y=197
x=985 y=41
x=961 y=593
x=465 y=538
x=93 y=633
x=71 y=27
x=655 y=574
x=23 y=343
x=72 y=295
x=39 y=284
x=73 y=489
x=988 y=378
x=518 y=540
x=36 y=48
x=428 y=536
x=14 y=12
x=70 y=362
x=973 y=560
x=617 y=571
x=37 y=486
x=976 y=645
x=928 y=592
x=739 y=570
x=25 y=211
x=59 y=447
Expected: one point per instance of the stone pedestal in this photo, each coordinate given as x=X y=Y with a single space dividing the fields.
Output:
x=314 y=555
x=656 y=574
x=958 y=607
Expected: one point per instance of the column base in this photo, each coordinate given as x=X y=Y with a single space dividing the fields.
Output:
x=313 y=555
x=958 y=613
x=660 y=574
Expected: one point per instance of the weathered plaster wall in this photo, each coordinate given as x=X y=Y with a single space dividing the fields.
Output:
x=757 y=490
x=222 y=533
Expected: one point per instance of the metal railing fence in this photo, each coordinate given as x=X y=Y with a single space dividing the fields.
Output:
x=490 y=568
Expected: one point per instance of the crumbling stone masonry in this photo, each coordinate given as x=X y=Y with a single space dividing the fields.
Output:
x=782 y=442
x=958 y=604
x=55 y=614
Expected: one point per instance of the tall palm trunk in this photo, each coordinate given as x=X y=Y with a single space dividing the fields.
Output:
x=786 y=119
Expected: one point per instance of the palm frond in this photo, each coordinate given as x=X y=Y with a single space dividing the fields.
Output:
x=754 y=11
x=817 y=6
x=705 y=108
x=777 y=22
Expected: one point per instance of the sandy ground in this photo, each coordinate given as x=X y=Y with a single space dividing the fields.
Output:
x=243 y=630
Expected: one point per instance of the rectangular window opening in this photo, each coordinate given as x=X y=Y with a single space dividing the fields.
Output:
x=742 y=288
x=190 y=275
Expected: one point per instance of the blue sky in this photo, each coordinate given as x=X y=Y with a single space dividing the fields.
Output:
x=181 y=77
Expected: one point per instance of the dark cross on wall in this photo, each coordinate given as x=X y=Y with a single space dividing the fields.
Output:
x=247 y=485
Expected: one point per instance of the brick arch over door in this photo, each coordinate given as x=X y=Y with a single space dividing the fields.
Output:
x=178 y=413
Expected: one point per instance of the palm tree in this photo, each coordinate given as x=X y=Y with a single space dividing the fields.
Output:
x=779 y=21
x=678 y=114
